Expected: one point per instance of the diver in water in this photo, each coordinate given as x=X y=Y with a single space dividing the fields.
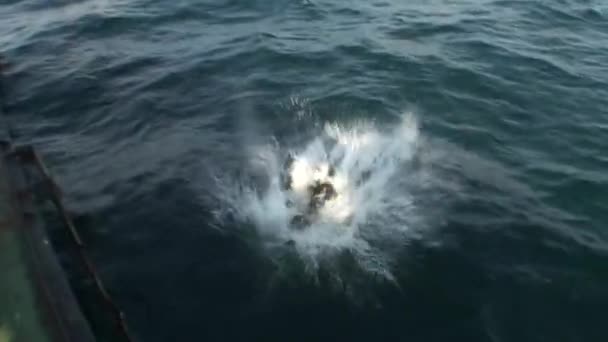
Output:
x=320 y=192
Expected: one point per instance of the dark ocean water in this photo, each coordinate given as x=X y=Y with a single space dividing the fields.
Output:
x=153 y=116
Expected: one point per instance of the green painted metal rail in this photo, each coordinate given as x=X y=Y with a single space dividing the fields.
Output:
x=37 y=303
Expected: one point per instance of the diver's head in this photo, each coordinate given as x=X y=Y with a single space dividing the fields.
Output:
x=321 y=192
x=331 y=171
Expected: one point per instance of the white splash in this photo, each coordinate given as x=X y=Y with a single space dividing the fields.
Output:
x=370 y=179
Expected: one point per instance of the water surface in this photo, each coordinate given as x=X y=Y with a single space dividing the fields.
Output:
x=471 y=136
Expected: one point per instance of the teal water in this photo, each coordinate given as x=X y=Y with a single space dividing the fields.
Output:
x=472 y=135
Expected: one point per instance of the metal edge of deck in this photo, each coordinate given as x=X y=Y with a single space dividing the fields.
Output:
x=59 y=308
x=56 y=309
x=54 y=302
x=46 y=188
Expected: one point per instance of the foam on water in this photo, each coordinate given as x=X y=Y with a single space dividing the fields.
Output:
x=372 y=203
